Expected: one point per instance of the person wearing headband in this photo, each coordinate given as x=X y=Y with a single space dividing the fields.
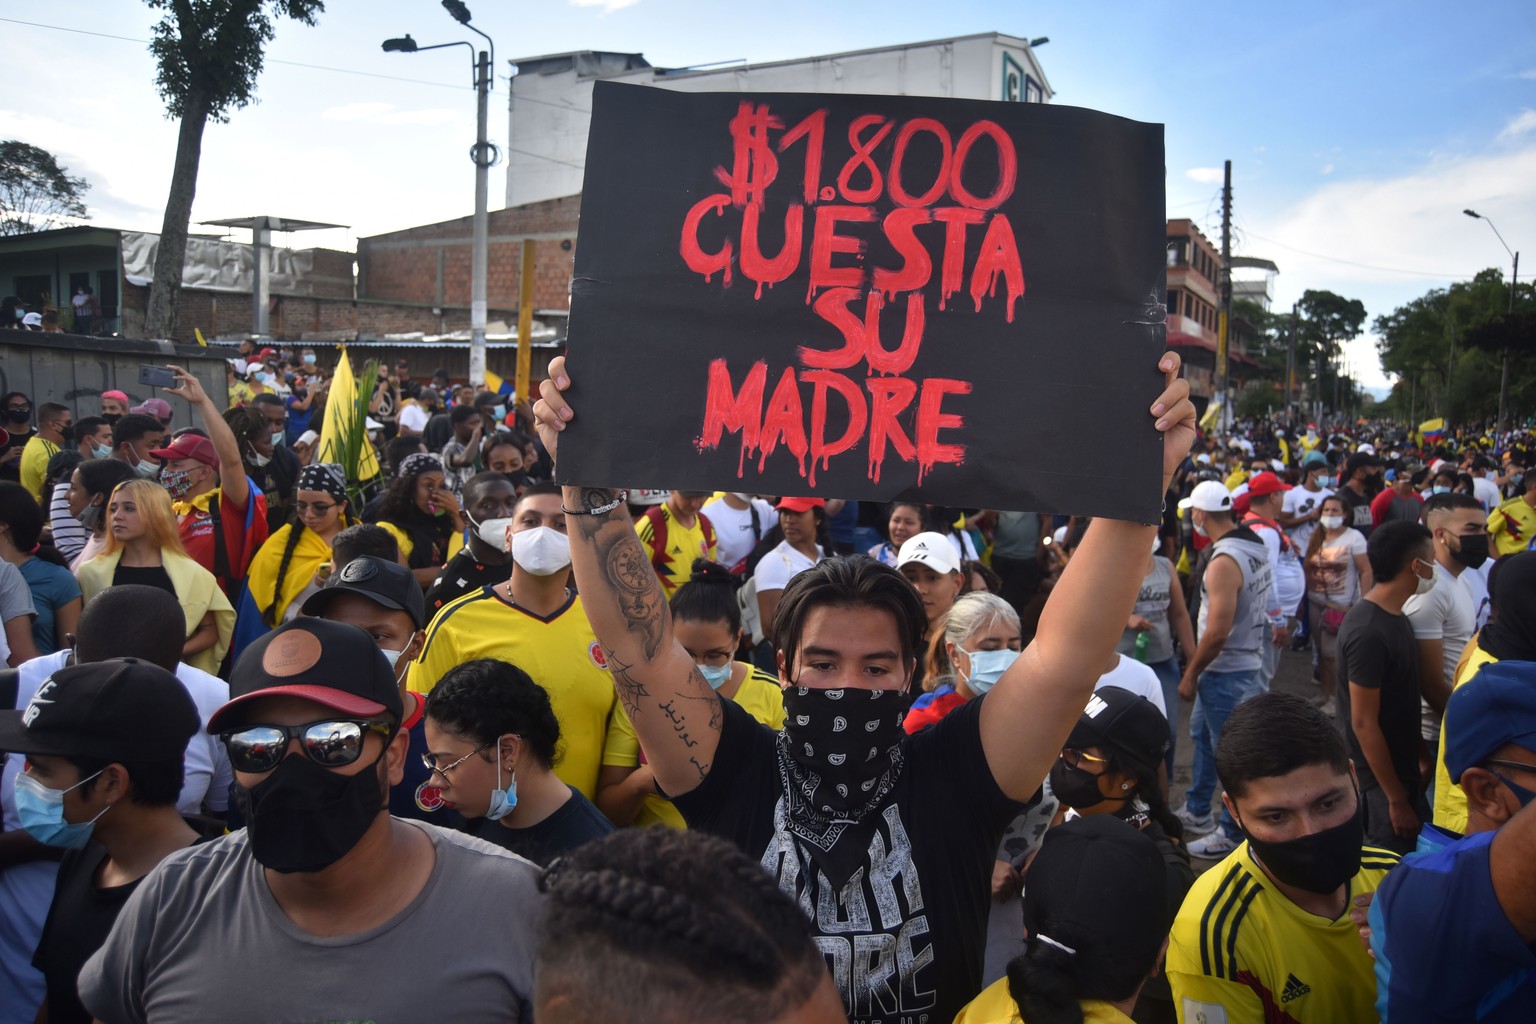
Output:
x=424 y=515
x=296 y=560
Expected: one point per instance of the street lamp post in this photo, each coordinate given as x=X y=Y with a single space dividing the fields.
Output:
x=1514 y=276
x=484 y=155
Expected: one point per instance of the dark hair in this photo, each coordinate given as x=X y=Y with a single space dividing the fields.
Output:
x=1393 y=546
x=484 y=398
x=1274 y=734
x=460 y=413
x=132 y=426
x=484 y=699
x=397 y=448
x=88 y=425
x=62 y=463
x=364 y=539
x=654 y=924
x=1419 y=476
x=1148 y=788
x=534 y=490
x=917 y=506
x=850 y=581
x=20 y=511
x=470 y=492
x=399 y=504
x=155 y=783
x=132 y=621
x=267 y=398
x=296 y=530
x=101 y=476
x=247 y=424
x=708 y=596
x=12 y=303
x=994 y=582
x=194 y=431
x=1447 y=503
x=50 y=410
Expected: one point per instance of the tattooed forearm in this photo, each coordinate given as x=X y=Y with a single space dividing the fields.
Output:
x=629 y=689
x=702 y=768
x=636 y=589
x=709 y=697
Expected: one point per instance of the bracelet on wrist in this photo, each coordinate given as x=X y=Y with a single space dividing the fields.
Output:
x=620 y=498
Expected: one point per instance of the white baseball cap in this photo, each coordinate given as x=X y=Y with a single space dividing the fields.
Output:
x=931 y=549
x=1209 y=496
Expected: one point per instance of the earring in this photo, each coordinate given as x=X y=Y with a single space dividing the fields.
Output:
x=1125 y=785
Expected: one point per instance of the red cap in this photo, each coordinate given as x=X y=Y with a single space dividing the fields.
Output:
x=800 y=504
x=1265 y=484
x=189 y=446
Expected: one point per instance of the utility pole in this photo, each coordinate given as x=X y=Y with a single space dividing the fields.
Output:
x=1224 y=322
x=484 y=157
x=1450 y=370
x=1514 y=276
x=1290 y=366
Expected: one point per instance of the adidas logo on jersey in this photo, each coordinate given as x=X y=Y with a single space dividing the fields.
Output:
x=1295 y=988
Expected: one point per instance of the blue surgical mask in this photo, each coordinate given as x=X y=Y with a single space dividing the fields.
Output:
x=502 y=800
x=716 y=677
x=987 y=667
x=101 y=451
x=41 y=811
x=1440 y=490
x=500 y=413
x=309 y=359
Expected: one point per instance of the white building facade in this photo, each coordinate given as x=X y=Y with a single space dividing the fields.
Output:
x=551 y=96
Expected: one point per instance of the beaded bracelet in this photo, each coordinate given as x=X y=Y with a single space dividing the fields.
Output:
x=623 y=496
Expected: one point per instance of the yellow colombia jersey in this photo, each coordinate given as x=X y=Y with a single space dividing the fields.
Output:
x=683 y=544
x=559 y=653
x=1450 y=801
x=759 y=695
x=1241 y=953
x=995 y=1005
x=1513 y=527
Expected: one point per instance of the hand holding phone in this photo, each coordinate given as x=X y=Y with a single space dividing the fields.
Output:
x=156 y=376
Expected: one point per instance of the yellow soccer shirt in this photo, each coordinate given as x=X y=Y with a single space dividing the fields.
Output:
x=559 y=653
x=1241 y=953
x=34 y=464
x=1513 y=527
x=759 y=694
x=1450 y=801
x=674 y=564
x=995 y=1005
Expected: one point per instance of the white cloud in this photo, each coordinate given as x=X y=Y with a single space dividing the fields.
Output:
x=1528 y=75
x=1206 y=175
x=608 y=6
x=1326 y=169
x=1520 y=124
x=389 y=114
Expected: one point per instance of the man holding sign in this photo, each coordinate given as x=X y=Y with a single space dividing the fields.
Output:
x=887 y=841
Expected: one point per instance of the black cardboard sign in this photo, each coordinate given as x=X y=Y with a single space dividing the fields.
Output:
x=869 y=297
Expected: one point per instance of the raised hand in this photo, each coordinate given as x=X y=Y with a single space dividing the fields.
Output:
x=1174 y=415
x=551 y=412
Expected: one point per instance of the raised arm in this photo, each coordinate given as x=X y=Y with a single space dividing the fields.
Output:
x=674 y=711
x=231 y=466
x=1028 y=714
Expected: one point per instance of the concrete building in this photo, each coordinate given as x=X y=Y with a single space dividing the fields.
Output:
x=1194 y=306
x=551 y=96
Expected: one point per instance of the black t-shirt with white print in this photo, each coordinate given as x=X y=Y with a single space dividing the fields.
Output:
x=905 y=938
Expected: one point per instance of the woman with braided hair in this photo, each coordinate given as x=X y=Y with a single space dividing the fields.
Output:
x=296 y=560
x=651 y=924
x=424 y=515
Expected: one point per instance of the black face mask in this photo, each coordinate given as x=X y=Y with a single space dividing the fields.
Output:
x=1076 y=788
x=1320 y=862
x=112 y=417
x=1471 y=550
x=20 y=414
x=303 y=817
x=68 y=434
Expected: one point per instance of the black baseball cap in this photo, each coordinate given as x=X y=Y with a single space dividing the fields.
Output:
x=117 y=710
x=330 y=663
x=1360 y=460
x=1116 y=717
x=384 y=582
x=1100 y=888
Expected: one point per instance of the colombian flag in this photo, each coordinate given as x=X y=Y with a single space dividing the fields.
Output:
x=503 y=388
x=1432 y=431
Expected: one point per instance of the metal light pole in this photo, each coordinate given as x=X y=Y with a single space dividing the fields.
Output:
x=485 y=155
x=1514 y=276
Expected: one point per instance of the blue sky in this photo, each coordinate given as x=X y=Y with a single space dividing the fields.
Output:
x=1358 y=131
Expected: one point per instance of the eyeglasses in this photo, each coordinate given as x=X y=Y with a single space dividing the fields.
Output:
x=1075 y=758
x=331 y=744
x=1516 y=765
x=430 y=760
x=319 y=508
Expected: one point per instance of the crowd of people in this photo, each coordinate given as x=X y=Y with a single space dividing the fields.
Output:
x=649 y=755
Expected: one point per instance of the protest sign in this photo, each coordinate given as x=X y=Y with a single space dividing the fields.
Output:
x=869 y=297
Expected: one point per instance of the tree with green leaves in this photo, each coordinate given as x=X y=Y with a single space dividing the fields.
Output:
x=1326 y=322
x=35 y=192
x=208 y=55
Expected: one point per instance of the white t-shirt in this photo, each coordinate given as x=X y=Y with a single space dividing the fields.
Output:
x=1337 y=576
x=413 y=417
x=1290 y=578
x=1476 y=582
x=1487 y=492
x=734 y=539
x=1132 y=675
x=1448 y=614
x=781 y=565
x=1299 y=501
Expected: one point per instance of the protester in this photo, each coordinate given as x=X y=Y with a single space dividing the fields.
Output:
x=1360 y=482
x=802 y=522
x=1513 y=524
x=676 y=533
x=487 y=712
x=820 y=805
x=1452 y=929
x=1266 y=493
x=979 y=579
x=1302 y=505
x=18 y=428
x=222 y=523
x=741 y=521
x=104 y=745
x=143 y=548
x=1266 y=927
x=489 y=502
x=320 y=865
x=1161 y=616
x=929 y=563
x=259 y=431
x=980 y=640
x=1017 y=548
x=1224 y=670
x=114 y=406
x=296 y=560
x=423 y=515
x=654 y=925
x=134 y=440
x=904 y=521
x=1338 y=575
x=707 y=620
x=158 y=408
x=93 y=438
x=1096 y=913
x=90 y=486
x=55 y=429
x=64 y=530
x=56 y=596
x=535 y=621
x=461 y=455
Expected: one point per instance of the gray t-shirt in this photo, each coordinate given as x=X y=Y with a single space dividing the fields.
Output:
x=15 y=595
x=1152 y=604
x=203 y=939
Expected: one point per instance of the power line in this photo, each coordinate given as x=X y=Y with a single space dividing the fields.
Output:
x=1364 y=266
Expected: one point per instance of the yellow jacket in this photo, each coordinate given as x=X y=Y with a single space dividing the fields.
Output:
x=308 y=555
x=196 y=589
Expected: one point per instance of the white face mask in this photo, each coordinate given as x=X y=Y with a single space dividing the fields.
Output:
x=1331 y=522
x=497 y=533
x=541 y=550
x=1199 y=527
x=1425 y=585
